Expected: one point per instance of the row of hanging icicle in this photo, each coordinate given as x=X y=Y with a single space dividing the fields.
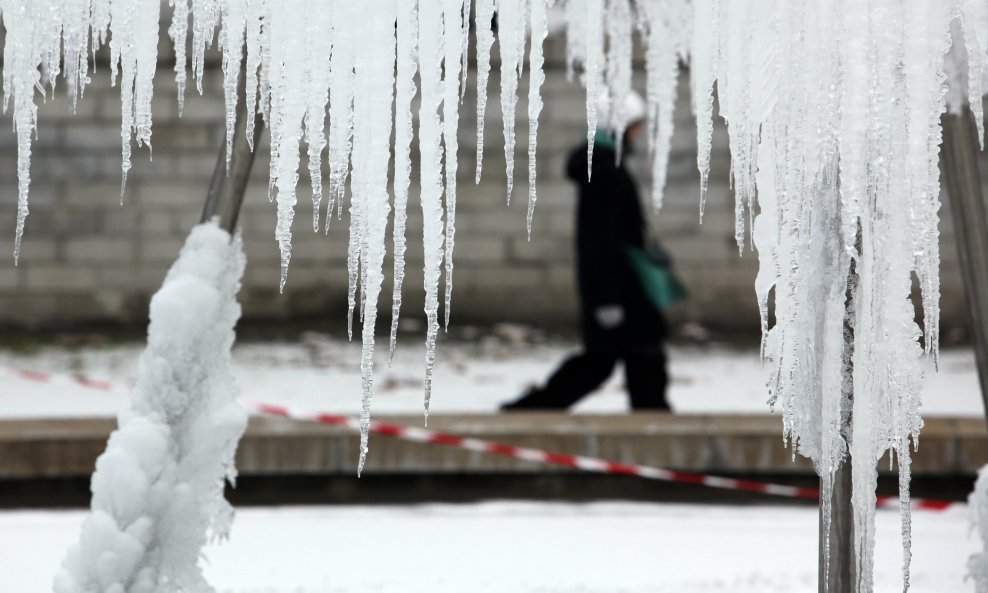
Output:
x=833 y=113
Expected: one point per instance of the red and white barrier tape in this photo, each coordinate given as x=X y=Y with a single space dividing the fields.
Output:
x=53 y=379
x=580 y=462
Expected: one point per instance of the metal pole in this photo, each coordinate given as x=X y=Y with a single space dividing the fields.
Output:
x=226 y=190
x=837 y=574
x=960 y=168
x=837 y=566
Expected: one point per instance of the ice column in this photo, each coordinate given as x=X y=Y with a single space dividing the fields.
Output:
x=454 y=50
x=374 y=83
x=539 y=28
x=431 y=53
x=511 y=28
x=158 y=488
x=977 y=501
x=666 y=27
x=833 y=116
x=407 y=64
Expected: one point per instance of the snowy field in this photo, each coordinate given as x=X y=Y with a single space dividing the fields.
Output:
x=475 y=376
x=500 y=547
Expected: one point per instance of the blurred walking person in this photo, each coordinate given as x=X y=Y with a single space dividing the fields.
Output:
x=619 y=320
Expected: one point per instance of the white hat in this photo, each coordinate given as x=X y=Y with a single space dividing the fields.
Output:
x=633 y=110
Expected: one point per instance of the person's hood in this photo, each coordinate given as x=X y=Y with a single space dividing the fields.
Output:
x=614 y=117
x=604 y=156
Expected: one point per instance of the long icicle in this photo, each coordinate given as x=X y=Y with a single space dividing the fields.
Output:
x=430 y=148
x=536 y=60
x=407 y=48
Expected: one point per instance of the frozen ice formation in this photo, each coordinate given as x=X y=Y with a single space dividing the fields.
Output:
x=158 y=487
x=977 y=502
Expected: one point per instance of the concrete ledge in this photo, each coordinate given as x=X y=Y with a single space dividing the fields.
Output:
x=33 y=449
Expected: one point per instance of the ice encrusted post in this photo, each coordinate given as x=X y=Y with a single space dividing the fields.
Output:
x=837 y=562
x=970 y=215
x=234 y=164
x=158 y=487
x=977 y=501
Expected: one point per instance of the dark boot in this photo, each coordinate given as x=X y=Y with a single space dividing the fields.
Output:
x=575 y=378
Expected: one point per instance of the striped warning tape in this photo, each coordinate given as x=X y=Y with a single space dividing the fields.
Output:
x=579 y=462
x=54 y=379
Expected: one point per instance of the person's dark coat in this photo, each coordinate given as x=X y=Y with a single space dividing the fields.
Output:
x=609 y=219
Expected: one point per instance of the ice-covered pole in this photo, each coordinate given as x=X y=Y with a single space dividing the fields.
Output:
x=226 y=190
x=837 y=562
x=977 y=501
x=836 y=567
x=967 y=206
x=158 y=488
x=963 y=136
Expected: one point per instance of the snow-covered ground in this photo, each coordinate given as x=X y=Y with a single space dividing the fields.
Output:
x=500 y=547
x=475 y=376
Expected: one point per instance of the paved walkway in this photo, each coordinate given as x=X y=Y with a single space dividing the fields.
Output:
x=699 y=443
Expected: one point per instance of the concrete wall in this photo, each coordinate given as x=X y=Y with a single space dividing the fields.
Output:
x=87 y=258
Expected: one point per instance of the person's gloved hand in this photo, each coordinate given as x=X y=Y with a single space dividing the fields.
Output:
x=609 y=316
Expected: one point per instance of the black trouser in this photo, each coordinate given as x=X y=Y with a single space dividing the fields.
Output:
x=645 y=374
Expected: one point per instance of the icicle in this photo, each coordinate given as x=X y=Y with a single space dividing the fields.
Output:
x=485 y=39
x=75 y=35
x=374 y=95
x=734 y=91
x=206 y=16
x=430 y=134
x=925 y=79
x=454 y=50
x=179 y=32
x=618 y=67
x=318 y=51
x=465 y=44
x=594 y=63
x=510 y=25
x=540 y=29
x=134 y=46
x=663 y=26
x=574 y=14
x=287 y=74
x=354 y=259
x=99 y=23
x=345 y=22
x=977 y=502
x=974 y=20
x=407 y=62
x=852 y=143
x=256 y=11
x=703 y=72
x=234 y=31
x=19 y=76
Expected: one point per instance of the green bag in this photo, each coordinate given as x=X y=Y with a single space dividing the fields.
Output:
x=654 y=270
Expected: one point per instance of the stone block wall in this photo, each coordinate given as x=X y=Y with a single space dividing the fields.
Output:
x=87 y=258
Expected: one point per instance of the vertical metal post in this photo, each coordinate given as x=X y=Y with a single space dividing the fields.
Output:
x=960 y=168
x=837 y=567
x=226 y=190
